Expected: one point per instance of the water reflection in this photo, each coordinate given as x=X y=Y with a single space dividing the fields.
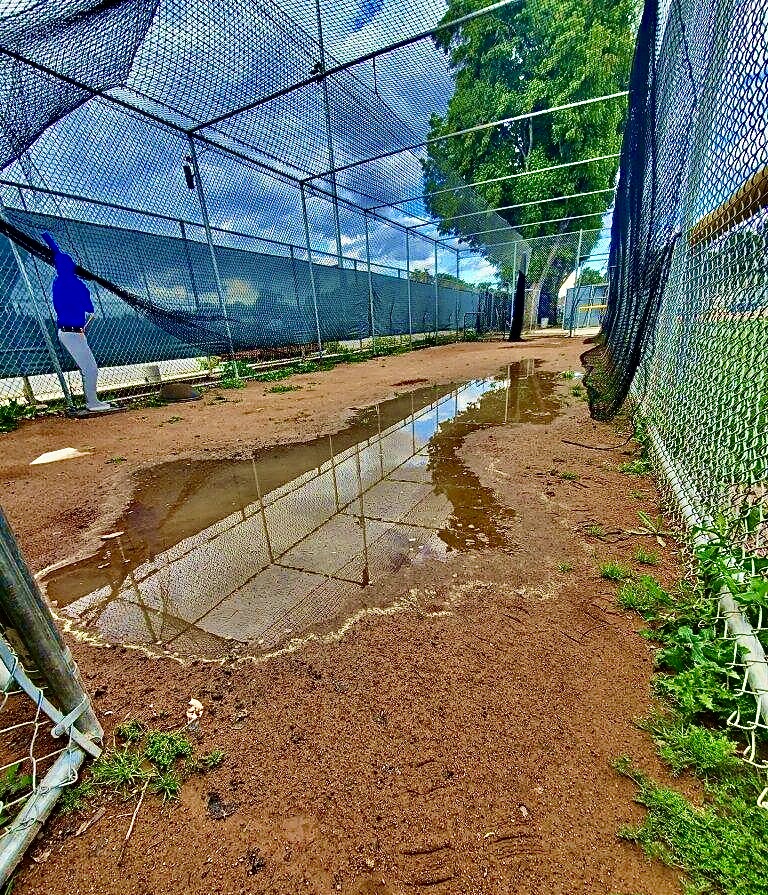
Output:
x=221 y=556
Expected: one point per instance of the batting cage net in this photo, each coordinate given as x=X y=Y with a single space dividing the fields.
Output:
x=262 y=176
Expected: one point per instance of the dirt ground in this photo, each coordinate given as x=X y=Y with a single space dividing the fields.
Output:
x=460 y=745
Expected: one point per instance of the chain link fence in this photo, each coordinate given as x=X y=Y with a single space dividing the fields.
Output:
x=686 y=331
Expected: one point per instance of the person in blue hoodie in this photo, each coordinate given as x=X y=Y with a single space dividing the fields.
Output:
x=74 y=311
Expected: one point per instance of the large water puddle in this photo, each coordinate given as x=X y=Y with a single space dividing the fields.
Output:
x=218 y=558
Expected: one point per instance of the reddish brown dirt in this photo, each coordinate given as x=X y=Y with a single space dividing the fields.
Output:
x=461 y=745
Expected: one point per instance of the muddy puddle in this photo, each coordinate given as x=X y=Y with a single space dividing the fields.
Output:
x=219 y=558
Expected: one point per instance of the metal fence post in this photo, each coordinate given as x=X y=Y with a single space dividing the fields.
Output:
x=40 y=319
x=24 y=609
x=370 y=282
x=575 y=283
x=311 y=267
x=328 y=132
x=408 y=281
x=437 y=298
x=211 y=248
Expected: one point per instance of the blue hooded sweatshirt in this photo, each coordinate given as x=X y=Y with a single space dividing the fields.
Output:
x=71 y=298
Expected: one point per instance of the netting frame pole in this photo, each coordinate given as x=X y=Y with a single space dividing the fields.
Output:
x=437 y=297
x=408 y=281
x=57 y=368
x=311 y=267
x=370 y=281
x=329 y=135
x=25 y=609
x=575 y=284
x=211 y=248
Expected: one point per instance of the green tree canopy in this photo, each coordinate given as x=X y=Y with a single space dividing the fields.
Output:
x=591 y=277
x=528 y=56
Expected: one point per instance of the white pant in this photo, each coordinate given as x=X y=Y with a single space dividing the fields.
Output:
x=77 y=345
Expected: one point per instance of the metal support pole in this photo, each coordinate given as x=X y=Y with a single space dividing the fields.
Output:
x=408 y=278
x=436 y=295
x=370 y=283
x=311 y=268
x=211 y=249
x=24 y=609
x=40 y=319
x=458 y=265
x=329 y=135
x=576 y=282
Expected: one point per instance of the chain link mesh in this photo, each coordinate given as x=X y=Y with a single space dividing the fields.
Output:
x=687 y=307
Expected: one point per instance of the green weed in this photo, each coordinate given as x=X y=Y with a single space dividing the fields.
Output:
x=568 y=476
x=281 y=389
x=75 y=798
x=116 y=460
x=595 y=531
x=613 y=571
x=568 y=374
x=722 y=846
x=165 y=784
x=646 y=557
x=685 y=746
x=204 y=763
x=12 y=413
x=163 y=749
x=133 y=730
x=564 y=567
x=13 y=782
x=578 y=391
x=644 y=595
x=638 y=466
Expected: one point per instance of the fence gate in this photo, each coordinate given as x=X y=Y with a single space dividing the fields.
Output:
x=47 y=723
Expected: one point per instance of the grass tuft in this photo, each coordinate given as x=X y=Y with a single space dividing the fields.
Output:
x=163 y=749
x=646 y=557
x=613 y=571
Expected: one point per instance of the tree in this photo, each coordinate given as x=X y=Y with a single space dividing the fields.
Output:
x=531 y=55
x=591 y=277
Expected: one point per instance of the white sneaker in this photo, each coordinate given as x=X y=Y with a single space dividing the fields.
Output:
x=99 y=406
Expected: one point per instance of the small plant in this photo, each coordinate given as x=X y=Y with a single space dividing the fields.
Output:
x=13 y=782
x=722 y=845
x=132 y=731
x=232 y=383
x=75 y=798
x=121 y=769
x=12 y=413
x=578 y=391
x=569 y=476
x=116 y=460
x=637 y=495
x=646 y=557
x=568 y=374
x=644 y=595
x=165 y=784
x=564 y=567
x=613 y=571
x=638 y=466
x=204 y=763
x=209 y=364
x=172 y=419
x=163 y=749
x=281 y=389
x=595 y=531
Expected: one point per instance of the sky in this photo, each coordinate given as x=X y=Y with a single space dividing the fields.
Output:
x=205 y=63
